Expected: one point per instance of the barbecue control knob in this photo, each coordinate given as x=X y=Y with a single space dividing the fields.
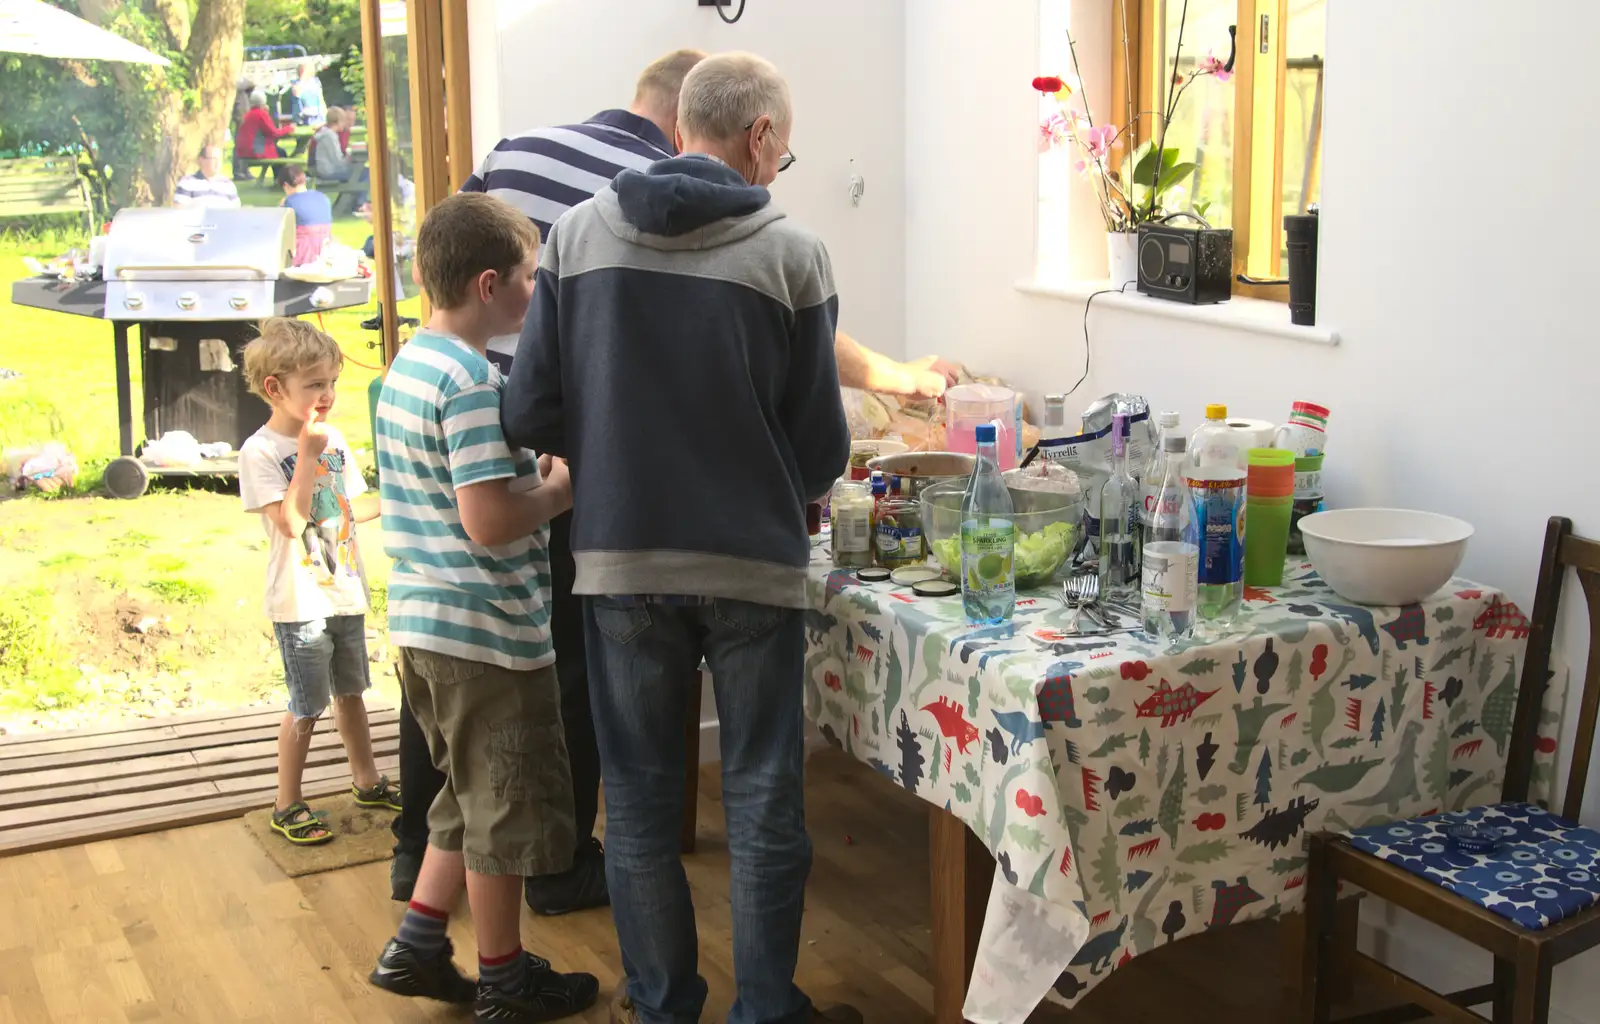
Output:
x=322 y=298
x=239 y=302
x=134 y=301
x=187 y=301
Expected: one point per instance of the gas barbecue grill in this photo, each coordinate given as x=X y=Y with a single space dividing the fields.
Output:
x=195 y=282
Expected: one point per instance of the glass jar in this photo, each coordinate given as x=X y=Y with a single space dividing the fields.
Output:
x=851 y=514
x=898 y=531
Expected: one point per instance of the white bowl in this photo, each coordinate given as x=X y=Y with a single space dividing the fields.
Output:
x=1385 y=556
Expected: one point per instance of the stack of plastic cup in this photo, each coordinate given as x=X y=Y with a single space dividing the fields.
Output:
x=1268 y=501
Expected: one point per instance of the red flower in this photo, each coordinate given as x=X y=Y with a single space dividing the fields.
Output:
x=1048 y=84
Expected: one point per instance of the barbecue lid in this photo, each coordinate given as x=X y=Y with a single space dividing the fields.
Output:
x=199 y=244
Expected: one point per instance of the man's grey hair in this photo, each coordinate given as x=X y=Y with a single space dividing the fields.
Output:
x=725 y=92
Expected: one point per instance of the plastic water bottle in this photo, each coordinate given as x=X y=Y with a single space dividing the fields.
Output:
x=1217 y=472
x=1155 y=468
x=988 y=539
x=1170 y=572
x=1120 y=507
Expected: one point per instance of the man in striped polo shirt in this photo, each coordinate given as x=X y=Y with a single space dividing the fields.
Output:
x=207 y=186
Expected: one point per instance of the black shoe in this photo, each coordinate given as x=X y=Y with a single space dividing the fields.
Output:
x=543 y=995
x=406 y=972
x=581 y=887
x=403 y=872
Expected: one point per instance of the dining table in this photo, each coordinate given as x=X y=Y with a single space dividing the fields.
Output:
x=1096 y=795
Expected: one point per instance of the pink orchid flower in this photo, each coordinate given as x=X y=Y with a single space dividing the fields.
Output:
x=1053 y=130
x=1210 y=65
x=1096 y=143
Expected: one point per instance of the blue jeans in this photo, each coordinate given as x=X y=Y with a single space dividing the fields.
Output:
x=323 y=657
x=644 y=662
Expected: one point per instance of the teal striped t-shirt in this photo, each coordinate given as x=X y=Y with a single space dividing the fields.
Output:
x=438 y=428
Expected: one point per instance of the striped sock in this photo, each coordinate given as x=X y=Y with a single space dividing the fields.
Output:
x=503 y=972
x=423 y=928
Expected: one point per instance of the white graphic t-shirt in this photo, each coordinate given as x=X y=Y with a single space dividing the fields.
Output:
x=319 y=573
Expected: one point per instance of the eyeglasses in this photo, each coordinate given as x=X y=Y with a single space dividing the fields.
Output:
x=785 y=161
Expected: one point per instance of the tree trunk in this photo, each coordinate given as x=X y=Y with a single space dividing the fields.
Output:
x=214 y=46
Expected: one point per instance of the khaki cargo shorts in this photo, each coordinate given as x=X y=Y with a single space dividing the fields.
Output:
x=496 y=735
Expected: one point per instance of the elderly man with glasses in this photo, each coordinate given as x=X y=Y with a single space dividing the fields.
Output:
x=679 y=352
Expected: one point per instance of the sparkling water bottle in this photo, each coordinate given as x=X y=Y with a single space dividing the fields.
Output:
x=1170 y=574
x=988 y=539
x=1155 y=468
x=1120 y=502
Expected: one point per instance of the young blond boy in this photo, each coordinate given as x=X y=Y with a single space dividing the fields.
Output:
x=465 y=520
x=297 y=474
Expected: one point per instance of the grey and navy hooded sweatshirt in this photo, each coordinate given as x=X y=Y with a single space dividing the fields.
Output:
x=678 y=353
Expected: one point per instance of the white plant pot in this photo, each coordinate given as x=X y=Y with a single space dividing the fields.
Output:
x=1122 y=250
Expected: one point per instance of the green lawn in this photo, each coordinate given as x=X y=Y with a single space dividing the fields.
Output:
x=112 y=609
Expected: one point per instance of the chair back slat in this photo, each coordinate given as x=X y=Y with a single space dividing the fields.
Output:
x=1583 y=744
x=1562 y=550
x=1536 y=662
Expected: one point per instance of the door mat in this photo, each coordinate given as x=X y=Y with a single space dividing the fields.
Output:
x=361 y=836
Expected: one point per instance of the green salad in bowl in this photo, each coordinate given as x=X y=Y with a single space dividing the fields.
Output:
x=1047 y=530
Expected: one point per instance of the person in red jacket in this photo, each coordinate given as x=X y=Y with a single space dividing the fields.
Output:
x=258 y=132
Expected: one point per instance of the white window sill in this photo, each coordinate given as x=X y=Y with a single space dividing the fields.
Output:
x=1256 y=316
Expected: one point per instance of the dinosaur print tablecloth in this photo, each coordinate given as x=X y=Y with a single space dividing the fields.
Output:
x=1133 y=795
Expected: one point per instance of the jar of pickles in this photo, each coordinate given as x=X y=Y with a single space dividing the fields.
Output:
x=897 y=534
x=851 y=515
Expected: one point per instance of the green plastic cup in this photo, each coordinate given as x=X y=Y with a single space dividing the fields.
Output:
x=1268 y=504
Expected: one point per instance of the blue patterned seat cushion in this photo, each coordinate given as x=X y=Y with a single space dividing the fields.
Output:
x=1547 y=869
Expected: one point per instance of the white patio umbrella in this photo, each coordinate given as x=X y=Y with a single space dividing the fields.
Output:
x=32 y=26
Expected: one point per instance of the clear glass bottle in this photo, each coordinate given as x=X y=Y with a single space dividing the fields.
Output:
x=1120 y=503
x=1055 y=418
x=1155 y=468
x=988 y=539
x=852 y=525
x=1170 y=573
x=1217 y=472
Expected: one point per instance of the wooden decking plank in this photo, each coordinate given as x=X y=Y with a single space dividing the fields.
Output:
x=161 y=721
x=211 y=729
x=261 y=748
x=77 y=774
x=75 y=810
x=197 y=744
x=387 y=765
x=148 y=819
x=31 y=789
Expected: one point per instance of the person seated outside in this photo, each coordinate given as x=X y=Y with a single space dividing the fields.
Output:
x=241 y=106
x=306 y=105
x=207 y=186
x=258 y=133
x=313 y=215
x=328 y=160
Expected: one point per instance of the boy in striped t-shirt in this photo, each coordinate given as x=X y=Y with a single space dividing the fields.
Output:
x=465 y=521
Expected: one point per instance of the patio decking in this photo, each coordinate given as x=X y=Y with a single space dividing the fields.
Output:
x=61 y=788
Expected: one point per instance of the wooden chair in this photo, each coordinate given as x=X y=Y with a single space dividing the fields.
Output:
x=1524 y=955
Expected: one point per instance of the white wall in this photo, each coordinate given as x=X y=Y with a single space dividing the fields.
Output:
x=1455 y=217
x=540 y=62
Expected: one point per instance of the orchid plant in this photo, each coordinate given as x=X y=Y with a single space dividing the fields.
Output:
x=1150 y=175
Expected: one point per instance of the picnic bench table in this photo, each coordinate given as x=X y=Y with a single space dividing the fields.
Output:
x=1132 y=794
x=43 y=186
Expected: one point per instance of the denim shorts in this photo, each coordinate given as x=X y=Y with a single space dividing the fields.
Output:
x=323 y=657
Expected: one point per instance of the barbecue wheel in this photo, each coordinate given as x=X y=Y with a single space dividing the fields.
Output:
x=127 y=478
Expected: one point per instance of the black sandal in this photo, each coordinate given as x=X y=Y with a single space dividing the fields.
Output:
x=382 y=794
x=301 y=826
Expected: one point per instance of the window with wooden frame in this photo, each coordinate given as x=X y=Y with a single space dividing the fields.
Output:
x=1257 y=146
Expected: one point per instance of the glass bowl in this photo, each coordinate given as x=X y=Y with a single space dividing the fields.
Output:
x=1047 y=524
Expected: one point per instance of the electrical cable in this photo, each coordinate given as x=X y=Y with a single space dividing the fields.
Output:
x=1086 y=305
x=736 y=16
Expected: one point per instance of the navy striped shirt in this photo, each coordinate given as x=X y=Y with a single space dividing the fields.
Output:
x=546 y=172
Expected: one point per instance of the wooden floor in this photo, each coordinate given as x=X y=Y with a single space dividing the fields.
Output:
x=196 y=924
x=69 y=787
